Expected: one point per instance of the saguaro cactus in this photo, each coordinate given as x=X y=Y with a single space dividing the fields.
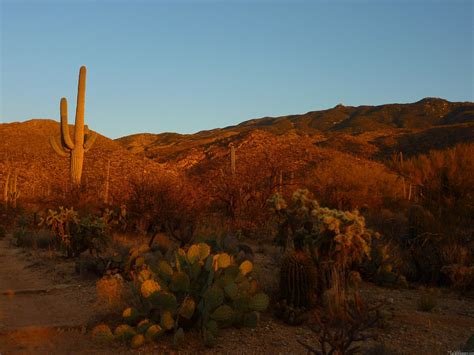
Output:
x=6 y=188
x=82 y=143
x=106 y=187
x=10 y=189
x=232 y=158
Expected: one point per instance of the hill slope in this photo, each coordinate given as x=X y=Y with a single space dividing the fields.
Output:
x=25 y=146
x=370 y=131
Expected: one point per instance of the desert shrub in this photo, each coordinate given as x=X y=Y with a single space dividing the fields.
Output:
x=198 y=289
x=262 y=169
x=343 y=320
x=115 y=218
x=77 y=234
x=385 y=266
x=40 y=239
x=345 y=182
x=167 y=204
x=461 y=277
x=111 y=292
x=333 y=238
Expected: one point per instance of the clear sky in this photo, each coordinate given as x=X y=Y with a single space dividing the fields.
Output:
x=185 y=66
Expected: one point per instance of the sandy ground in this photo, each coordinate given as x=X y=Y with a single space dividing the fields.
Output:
x=58 y=321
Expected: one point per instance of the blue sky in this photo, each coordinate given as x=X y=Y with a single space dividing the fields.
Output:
x=186 y=66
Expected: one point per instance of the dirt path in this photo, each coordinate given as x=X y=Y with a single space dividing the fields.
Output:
x=35 y=322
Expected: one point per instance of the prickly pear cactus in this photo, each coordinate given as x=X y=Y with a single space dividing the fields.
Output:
x=197 y=288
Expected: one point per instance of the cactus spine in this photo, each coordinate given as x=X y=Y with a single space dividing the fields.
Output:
x=82 y=143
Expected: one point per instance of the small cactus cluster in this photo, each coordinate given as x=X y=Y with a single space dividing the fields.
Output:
x=297 y=287
x=10 y=189
x=76 y=233
x=331 y=236
x=196 y=288
x=382 y=268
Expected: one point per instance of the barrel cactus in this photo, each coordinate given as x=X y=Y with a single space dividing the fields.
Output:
x=297 y=287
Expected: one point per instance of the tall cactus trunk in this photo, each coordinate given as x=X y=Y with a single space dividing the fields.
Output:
x=106 y=188
x=6 y=189
x=76 y=148
x=232 y=159
x=77 y=159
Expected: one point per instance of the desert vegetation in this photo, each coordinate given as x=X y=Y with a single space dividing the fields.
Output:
x=267 y=225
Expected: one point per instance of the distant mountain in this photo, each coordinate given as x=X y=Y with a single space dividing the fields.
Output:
x=371 y=131
x=368 y=132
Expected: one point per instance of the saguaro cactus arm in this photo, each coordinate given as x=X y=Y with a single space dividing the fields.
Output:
x=58 y=148
x=66 y=138
x=89 y=141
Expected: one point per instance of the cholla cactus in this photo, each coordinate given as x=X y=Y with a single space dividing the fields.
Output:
x=329 y=234
x=333 y=238
x=82 y=142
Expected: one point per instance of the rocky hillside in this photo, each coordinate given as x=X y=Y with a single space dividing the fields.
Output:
x=369 y=131
x=42 y=173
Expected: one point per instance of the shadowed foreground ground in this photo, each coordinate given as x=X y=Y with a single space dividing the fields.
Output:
x=46 y=308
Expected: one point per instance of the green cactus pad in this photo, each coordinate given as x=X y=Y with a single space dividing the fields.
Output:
x=137 y=341
x=167 y=320
x=214 y=297
x=193 y=254
x=198 y=252
x=231 y=290
x=130 y=315
x=246 y=267
x=259 y=302
x=181 y=258
x=187 y=308
x=164 y=300
x=124 y=332
x=223 y=313
x=222 y=261
x=180 y=281
x=153 y=332
x=209 y=263
x=140 y=261
x=143 y=326
x=102 y=333
x=195 y=270
x=232 y=272
x=165 y=270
